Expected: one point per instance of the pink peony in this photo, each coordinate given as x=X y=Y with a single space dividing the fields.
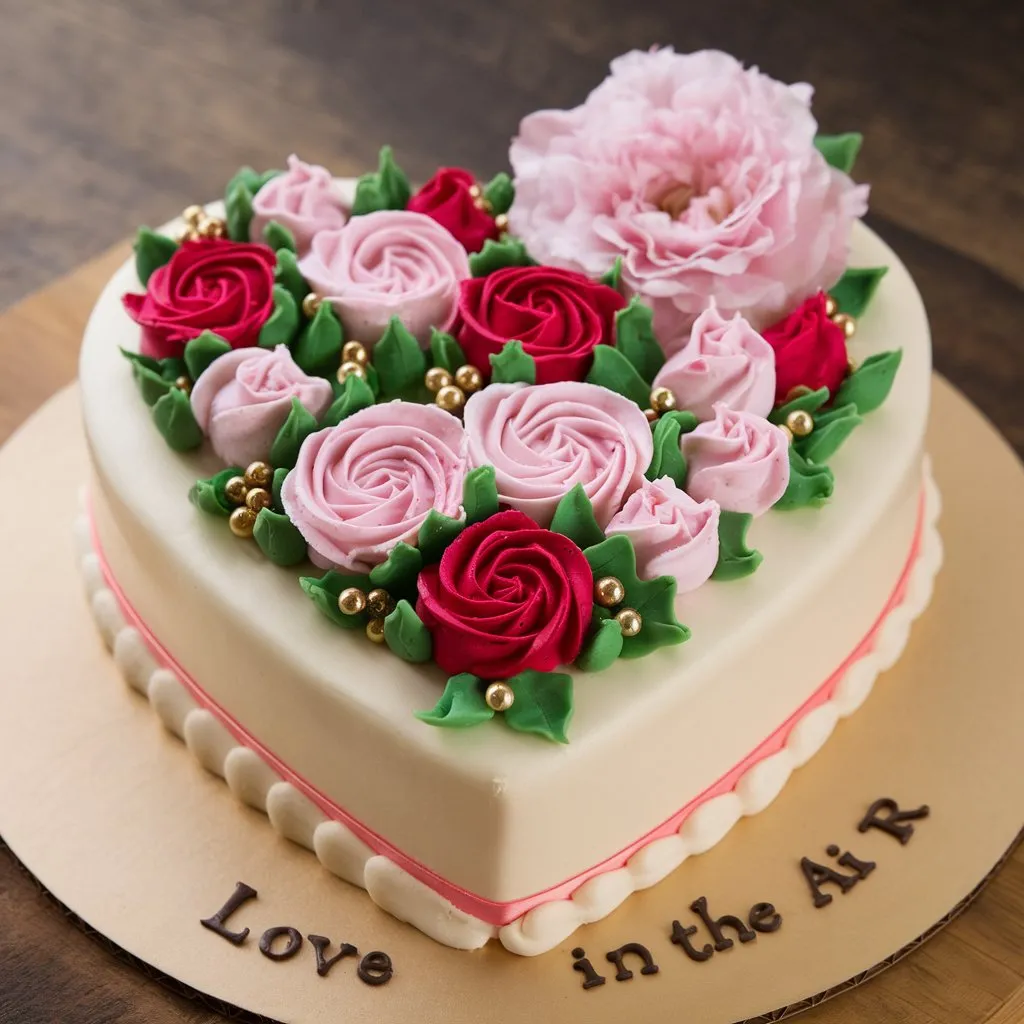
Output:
x=701 y=175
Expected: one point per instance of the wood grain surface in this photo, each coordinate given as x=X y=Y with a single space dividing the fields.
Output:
x=118 y=112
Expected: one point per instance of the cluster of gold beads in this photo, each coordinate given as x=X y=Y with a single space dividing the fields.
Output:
x=199 y=224
x=450 y=390
x=608 y=593
x=378 y=604
x=843 y=320
x=354 y=360
x=499 y=696
x=481 y=202
x=249 y=494
x=662 y=401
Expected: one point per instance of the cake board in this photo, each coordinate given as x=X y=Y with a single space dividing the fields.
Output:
x=115 y=818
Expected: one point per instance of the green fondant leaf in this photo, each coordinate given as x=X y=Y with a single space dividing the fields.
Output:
x=201 y=351
x=480 y=494
x=855 y=289
x=323 y=591
x=542 y=705
x=574 y=518
x=613 y=275
x=461 y=705
x=512 y=365
x=355 y=395
x=397 y=575
x=614 y=371
x=135 y=359
x=735 y=559
x=509 y=252
x=284 y=452
x=809 y=485
x=152 y=250
x=283 y=321
x=373 y=379
x=387 y=188
x=239 y=212
x=288 y=275
x=808 y=401
x=500 y=192
x=436 y=533
x=406 y=635
x=869 y=385
x=208 y=494
x=317 y=350
x=277 y=537
x=173 y=417
x=152 y=384
x=279 y=478
x=840 y=150
x=634 y=338
x=250 y=178
x=668 y=459
x=831 y=429
x=399 y=360
x=602 y=647
x=445 y=351
x=277 y=236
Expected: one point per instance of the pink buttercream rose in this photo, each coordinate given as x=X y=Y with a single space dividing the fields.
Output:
x=724 y=361
x=384 y=264
x=737 y=459
x=701 y=175
x=672 y=534
x=242 y=399
x=544 y=439
x=361 y=487
x=303 y=200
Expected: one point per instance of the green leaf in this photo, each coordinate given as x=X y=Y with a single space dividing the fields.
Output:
x=277 y=236
x=634 y=338
x=808 y=401
x=574 y=518
x=284 y=452
x=208 y=494
x=406 y=635
x=239 y=213
x=543 y=704
x=668 y=459
x=355 y=395
x=288 y=275
x=173 y=417
x=397 y=574
x=201 y=351
x=809 y=486
x=461 y=705
x=509 y=252
x=151 y=384
x=445 y=351
x=323 y=591
x=869 y=385
x=512 y=365
x=135 y=359
x=856 y=288
x=250 y=178
x=480 y=494
x=283 y=322
x=317 y=351
x=436 y=533
x=602 y=647
x=500 y=192
x=735 y=559
x=399 y=360
x=614 y=371
x=278 y=538
x=613 y=275
x=279 y=478
x=840 y=150
x=831 y=429
x=152 y=251
x=385 y=189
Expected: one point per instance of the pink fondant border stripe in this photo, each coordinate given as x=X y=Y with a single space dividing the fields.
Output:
x=490 y=911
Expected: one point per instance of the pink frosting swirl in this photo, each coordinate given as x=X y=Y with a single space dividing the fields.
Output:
x=302 y=199
x=544 y=439
x=384 y=264
x=361 y=487
x=724 y=361
x=672 y=534
x=242 y=399
x=737 y=459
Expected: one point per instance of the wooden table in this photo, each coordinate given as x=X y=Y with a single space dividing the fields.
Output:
x=117 y=113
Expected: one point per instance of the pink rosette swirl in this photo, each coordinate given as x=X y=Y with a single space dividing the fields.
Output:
x=302 y=199
x=737 y=459
x=724 y=361
x=672 y=534
x=242 y=399
x=361 y=487
x=385 y=264
x=544 y=439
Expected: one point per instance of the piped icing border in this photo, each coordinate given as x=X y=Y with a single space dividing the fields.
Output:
x=534 y=925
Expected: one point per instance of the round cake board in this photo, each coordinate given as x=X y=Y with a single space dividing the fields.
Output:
x=119 y=822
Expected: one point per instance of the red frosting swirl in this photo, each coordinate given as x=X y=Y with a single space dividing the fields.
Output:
x=446 y=198
x=810 y=350
x=506 y=596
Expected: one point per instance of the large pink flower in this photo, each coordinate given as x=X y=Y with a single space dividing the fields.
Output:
x=701 y=175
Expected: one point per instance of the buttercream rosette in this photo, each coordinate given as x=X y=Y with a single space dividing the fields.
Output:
x=362 y=486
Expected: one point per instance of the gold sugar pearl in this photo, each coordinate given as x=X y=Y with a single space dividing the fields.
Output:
x=499 y=696
x=437 y=377
x=800 y=422
x=501 y=222
x=258 y=498
x=482 y=203
x=451 y=399
x=355 y=352
x=375 y=630
x=609 y=591
x=310 y=304
x=630 y=621
x=469 y=378
x=851 y=365
x=184 y=384
x=235 y=490
x=379 y=603
x=796 y=392
x=241 y=521
x=651 y=415
x=662 y=400
x=476 y=191
x=831 y=306
x=787 y=432
x=846 y=322
x=258 y=474
x=351 y=369
x=192 y=215
x=351 y=601
x=187 y=235
x=211 y=227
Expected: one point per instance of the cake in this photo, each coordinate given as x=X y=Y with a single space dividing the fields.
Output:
x=539 y=528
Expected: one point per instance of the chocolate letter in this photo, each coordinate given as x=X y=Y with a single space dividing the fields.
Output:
x=291 y=947
x=764 y=918
x=216 y=923
x=320 y=944
x=893 y=820
x=375 y=968
x=862 y=867
x=714 y=925
x=681 y=937
x=591 y=978
x=623 y=973
x=818 y=874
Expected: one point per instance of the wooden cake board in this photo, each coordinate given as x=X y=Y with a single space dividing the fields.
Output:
x=118 y=821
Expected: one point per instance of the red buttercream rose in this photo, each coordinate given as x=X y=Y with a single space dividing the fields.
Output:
x=810 y=350
x=506 y=596
x=446 y=198
x=210 y=285
x=558 y=315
